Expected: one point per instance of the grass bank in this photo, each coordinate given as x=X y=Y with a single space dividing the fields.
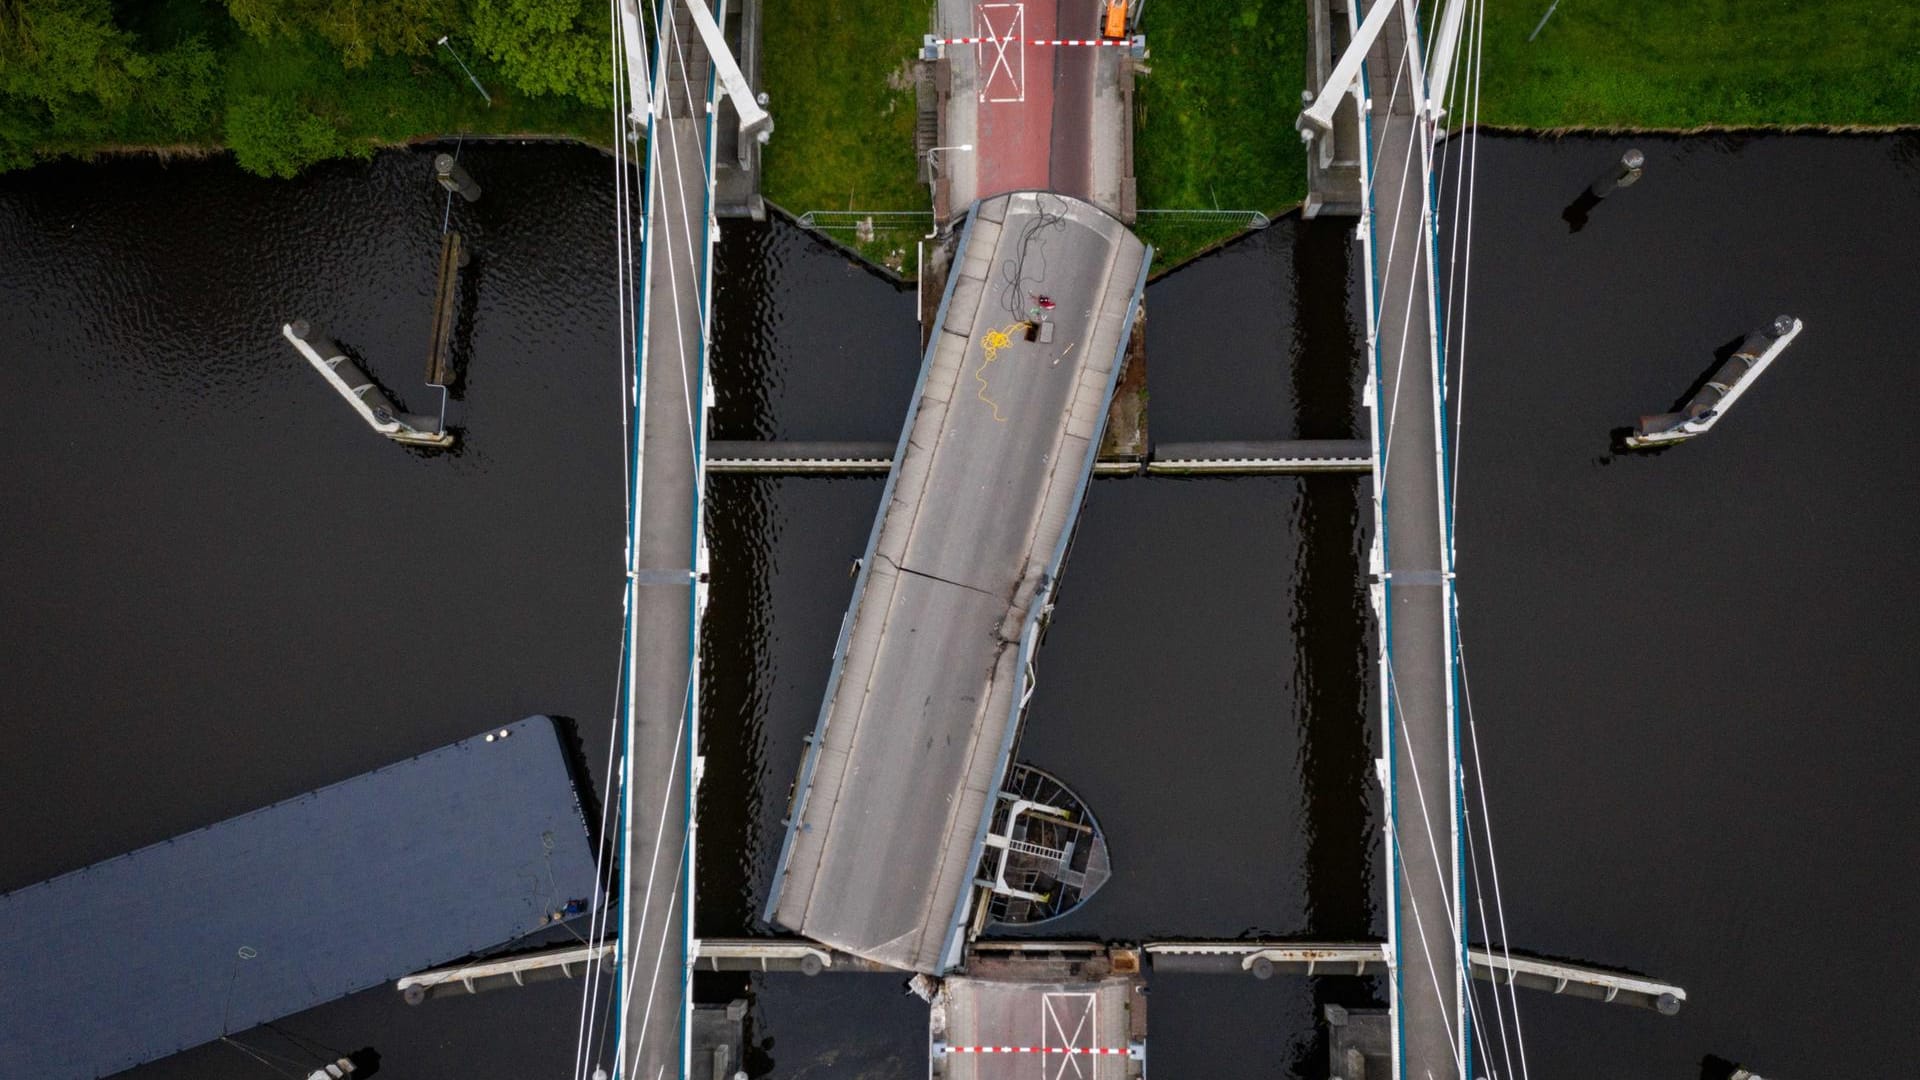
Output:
x=1207 y=139
x=839 y=82
x=1215 y=116
x=1702 y=63
x=395 y=98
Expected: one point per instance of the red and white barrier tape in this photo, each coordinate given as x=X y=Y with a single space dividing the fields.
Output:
x=1032 y=1050
x=1036 y=41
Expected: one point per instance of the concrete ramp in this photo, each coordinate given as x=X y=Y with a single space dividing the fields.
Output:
x=932 y=667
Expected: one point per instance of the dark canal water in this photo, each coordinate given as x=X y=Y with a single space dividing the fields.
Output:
x=220 y=590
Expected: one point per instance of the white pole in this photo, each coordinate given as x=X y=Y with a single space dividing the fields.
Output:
x=1444 y=51
x=635 y=43
x=932 y=150
x=463 y=67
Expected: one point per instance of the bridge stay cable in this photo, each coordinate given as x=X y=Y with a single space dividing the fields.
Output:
x=1454 y=918
x=585 y=1049
x=1465 y=184
x=1486 y=826
x=1460 y=264
x=1471 y=166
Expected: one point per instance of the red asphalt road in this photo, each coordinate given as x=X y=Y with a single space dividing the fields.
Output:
x=1042 y=138
x=1074 y=68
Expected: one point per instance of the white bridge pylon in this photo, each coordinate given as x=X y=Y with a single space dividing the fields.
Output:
x=753 y=118
x=633 y=36
x=1317 y=118
x=746 y=104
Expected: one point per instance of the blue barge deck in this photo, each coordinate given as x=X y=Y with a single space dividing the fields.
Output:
x=287 y=907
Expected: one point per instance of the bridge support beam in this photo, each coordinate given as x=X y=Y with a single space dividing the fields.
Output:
x=754 y=120
x=1445 y=50
x=1317 y=118
x=634 y=42
x=358 y=389
x=1334 y=186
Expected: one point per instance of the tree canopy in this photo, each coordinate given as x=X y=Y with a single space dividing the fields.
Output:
x=546 y=46
x=358 y=28
x=284 y=83
x=68 y=73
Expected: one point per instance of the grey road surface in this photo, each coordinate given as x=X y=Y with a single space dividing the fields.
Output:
x=922 y=708
x=1062 y=1030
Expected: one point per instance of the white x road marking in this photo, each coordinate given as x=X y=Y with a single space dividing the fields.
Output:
x=1013 y=62
x=1080 y=1009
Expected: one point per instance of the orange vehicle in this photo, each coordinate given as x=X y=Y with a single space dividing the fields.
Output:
x=1115 y=24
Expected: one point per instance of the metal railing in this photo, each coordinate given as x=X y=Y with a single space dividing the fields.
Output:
x=877 y=220
x=871 y=220
x=1248 y=220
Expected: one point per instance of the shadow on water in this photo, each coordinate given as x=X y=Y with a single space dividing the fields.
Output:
x=1332 y=633
x=807 y=344
x=743 y=537
x=584 y=773
x=471 y=288
x=1577 y=211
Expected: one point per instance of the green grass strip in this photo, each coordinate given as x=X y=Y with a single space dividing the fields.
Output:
x=1699 y=63
x=1215 y=116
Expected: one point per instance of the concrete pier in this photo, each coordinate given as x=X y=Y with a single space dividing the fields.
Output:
x=1334 y=184
x=932 y=668
x=1284 y=457
x=736 y=158
x=1266 y=959
x=575 y=961
x=1622 y=173
x=1359 y=1043
x=358 y=389
x=1725 y=386
x=450 y=175
x=1575 y=980
x=719 y=1041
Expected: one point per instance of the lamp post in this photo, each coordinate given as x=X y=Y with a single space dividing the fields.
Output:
x=463 y=67
x=932 y=150
x=920 y=253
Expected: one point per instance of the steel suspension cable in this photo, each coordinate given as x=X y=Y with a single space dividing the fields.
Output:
x=597 y=921
x=1493 y=863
